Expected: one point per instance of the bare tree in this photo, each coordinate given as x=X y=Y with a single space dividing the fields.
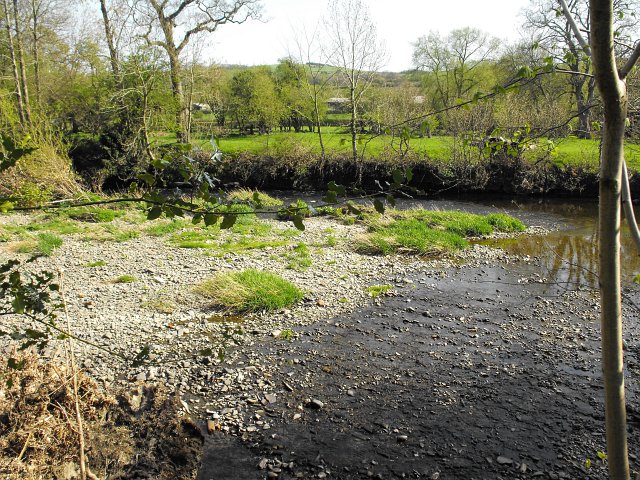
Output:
x=356 y=52
x=553 y=32
x=172 y=24
x=309 y=53
x=454 y=60
x=7 y=15
x=44 y=16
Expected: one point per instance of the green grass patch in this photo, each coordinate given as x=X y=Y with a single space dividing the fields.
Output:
x=160 y=229
x=409 y=236
x=91 y=214
x=299 y=258
x=425 y=232
x=255 y=198
x=250 y=291
x=376 y=291
x=125 y=279
x=46 y=243
x=96 y=264
x=243 y=244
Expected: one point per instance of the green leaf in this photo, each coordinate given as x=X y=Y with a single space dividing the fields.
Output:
x=408 y=173
x=298 y=222
x=391 y=200
x=133 y=188
x=397 y=177
x=197 y=218
x=228 y=221
x=18 y=304
x=210 y=219
x=378 y=205
x=154 y=213
x=331 y=197
x=339 y=189
x=147 y=178
x=206 y=352
x=221 y=354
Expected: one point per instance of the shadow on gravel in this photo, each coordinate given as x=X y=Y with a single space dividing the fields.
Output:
x=475 y=373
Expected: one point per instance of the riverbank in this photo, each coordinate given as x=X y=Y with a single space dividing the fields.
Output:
x=469 y=366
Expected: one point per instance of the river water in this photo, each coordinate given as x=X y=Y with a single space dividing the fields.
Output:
x=567 y=255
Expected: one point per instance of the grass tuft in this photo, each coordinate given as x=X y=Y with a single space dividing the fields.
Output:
x=98 y=263
x=254 y=198
x=376 y=291
x=125 y=279
x=250 y=291
x=299 y=258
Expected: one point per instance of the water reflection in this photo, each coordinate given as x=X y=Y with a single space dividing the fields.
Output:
x=569 y=254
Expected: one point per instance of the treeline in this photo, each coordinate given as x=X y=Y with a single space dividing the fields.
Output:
x=111 y=97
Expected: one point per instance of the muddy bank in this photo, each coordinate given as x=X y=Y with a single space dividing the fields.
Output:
x=475 y=373
x=500 y=175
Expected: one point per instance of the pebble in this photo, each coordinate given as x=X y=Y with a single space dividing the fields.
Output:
x=315 y=404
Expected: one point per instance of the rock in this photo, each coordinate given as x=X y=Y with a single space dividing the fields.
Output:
x=263 y=464
x=276 y=333
x=351 y=393
x=212 y=426
x=504 y=460
x=402 y=438
x=270 y=397
x=314 y=404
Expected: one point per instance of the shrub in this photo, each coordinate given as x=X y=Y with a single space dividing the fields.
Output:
x=250 y=291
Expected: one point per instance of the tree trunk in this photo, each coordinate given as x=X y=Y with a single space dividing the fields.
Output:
x=108 y=31
x=316 y=114
x=177 y=90
x=14 y=64
x=21 y=62
x=36 y=54
x=613 y=92
x=353 y=125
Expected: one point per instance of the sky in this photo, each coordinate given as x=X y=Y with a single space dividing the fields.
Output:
x=399 y=24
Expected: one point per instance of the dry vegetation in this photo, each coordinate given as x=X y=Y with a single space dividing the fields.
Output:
x=127 y=435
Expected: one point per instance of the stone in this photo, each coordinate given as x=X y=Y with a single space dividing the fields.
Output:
x=314 y=404
x=504 y=460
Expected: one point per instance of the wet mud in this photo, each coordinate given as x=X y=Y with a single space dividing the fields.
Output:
x=473 y=373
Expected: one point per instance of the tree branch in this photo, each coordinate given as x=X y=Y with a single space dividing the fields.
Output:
x=633 y=59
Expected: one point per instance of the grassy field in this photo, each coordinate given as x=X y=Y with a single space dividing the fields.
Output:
x=565 y=151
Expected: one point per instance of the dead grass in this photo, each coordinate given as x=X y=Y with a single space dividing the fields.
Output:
x=38 y=175
x=138 y=435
